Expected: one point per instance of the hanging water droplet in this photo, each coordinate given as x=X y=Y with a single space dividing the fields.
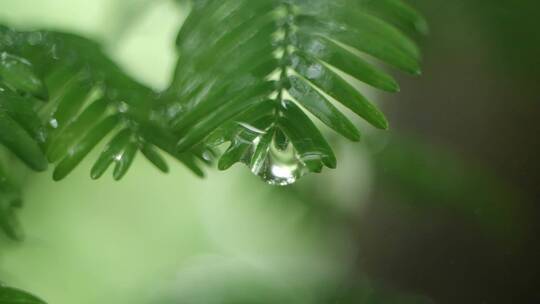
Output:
x=280 y=167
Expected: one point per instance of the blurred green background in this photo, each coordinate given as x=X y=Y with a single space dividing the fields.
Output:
x=443 y=206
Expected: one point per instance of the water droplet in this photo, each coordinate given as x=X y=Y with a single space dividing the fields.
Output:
x=174 y=110
x=280 y=167
x=208 y=156
x=314 y=71
x=316 y=47
x=41 y=135
x=123 y=107
x=118 y=157
x=53 y=123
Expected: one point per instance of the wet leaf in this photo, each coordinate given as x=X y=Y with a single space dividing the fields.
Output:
x=304 y=49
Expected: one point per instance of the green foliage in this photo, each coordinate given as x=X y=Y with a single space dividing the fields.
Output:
x=60 y=96
x=250 y=71
x=14 y=296
x=10 y=201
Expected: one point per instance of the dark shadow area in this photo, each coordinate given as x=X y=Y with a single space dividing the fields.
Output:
x=478 y=98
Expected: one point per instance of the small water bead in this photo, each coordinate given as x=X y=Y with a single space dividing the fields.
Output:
x=316 y=48
x=174 y=110
x=314 y=71
x=208 y=156
x=123 y=107
x=53 y=123
x=41 y=136
x=118 y=157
